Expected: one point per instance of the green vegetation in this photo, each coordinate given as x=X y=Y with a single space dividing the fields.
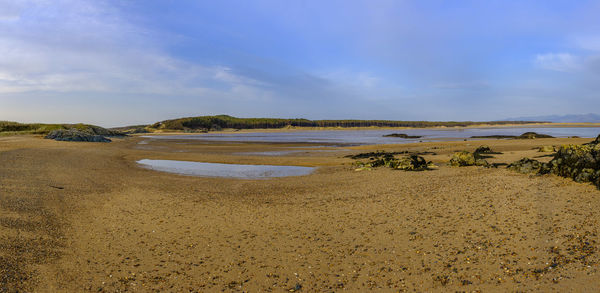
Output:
x=205 y=123
x=133 y=129
x=215 y=123
x=10 y=128
x=13 y=128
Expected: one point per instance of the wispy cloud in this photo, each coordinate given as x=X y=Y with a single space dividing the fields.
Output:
x=67 y=46
x=564 y=62
x=309 y=59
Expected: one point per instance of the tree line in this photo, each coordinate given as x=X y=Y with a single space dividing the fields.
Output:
x=225 y=121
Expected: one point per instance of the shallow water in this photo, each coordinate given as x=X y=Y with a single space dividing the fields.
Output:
x=224 y=170
x=283 y=153
x=358 y=137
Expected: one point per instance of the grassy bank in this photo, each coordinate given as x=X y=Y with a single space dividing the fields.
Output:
x=15 y=128
x=205 y=123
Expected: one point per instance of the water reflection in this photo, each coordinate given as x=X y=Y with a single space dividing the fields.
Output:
x=224 y=170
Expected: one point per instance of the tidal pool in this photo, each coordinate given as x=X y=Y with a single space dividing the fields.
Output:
x=224 y=170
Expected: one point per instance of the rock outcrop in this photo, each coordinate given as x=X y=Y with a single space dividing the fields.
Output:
x=75 y=135
x=464 y=159
x=477 y=158
x=525 y=165
x=386 y=159
x=578 y=162
x=86 y=133
x=484 y=149
x=533 y=135
x=596 y=141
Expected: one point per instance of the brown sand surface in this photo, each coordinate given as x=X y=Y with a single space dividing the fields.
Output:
x=83 y=216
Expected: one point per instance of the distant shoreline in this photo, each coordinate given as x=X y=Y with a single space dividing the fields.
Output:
x=301 y=128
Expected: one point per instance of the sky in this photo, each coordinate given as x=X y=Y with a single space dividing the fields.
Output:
x=115 y=63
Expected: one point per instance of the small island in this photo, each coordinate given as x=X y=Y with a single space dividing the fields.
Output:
x=402 y=135
x=526 y=135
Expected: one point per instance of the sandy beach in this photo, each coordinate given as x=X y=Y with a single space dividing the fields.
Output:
x=85 y=217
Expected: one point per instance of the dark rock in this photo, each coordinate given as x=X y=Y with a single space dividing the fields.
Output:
x=375 y=154
x=594 y=142
x=496 y=165
x=402 y=135
x=413 y=163
x=533 y=135
x=96 y=130
x=578 y=162
x=296 y=288
x=484 y=149
x=526 y=165
x=383 y=153
x=387 y=159
x=83 y=132
x=73 y=134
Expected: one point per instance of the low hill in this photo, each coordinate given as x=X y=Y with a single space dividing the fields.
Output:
x=207 y=123
x=12 y=128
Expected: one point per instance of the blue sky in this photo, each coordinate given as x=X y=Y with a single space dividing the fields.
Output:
x=128 y=62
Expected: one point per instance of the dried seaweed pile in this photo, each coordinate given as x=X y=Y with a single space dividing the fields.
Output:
x=476 y=158
x=410 y=162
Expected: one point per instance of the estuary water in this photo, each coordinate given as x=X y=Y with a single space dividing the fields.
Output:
x=361 y=137
x=224 y=170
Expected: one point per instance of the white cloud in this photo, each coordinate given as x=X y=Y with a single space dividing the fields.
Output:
x=76 y=52
x=83 y=46
x=564 y=62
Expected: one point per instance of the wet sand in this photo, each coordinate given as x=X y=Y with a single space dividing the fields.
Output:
x=83 y=216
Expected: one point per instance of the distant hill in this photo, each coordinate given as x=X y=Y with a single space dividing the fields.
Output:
x=572 y=118
x=12 y=128
x=208 y=123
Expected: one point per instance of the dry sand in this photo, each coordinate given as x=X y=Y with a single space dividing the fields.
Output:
x=83 y=216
